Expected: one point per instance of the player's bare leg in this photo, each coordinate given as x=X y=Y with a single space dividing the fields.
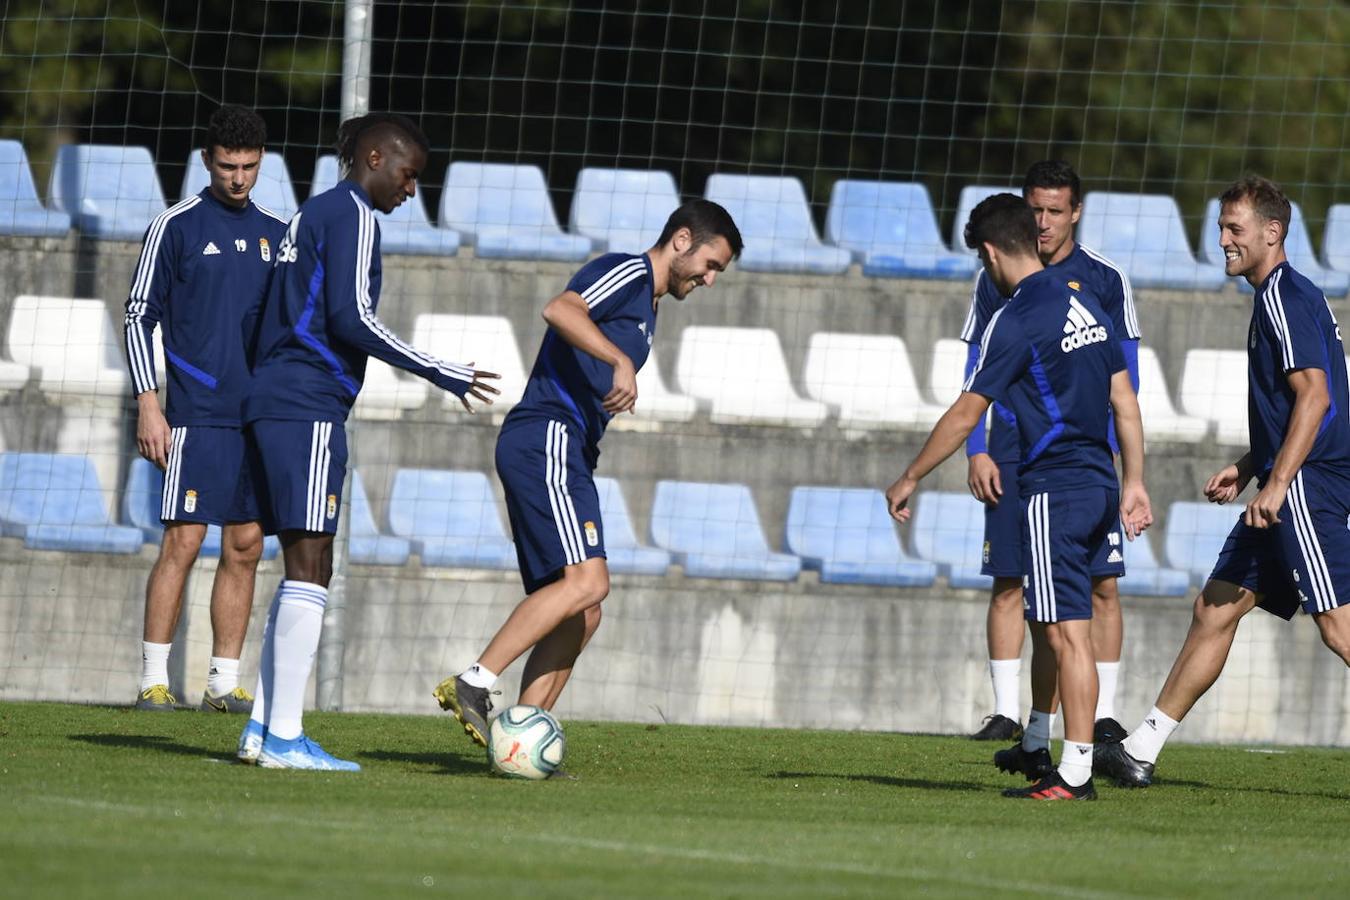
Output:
x=1004 y=629
x=163 y=606
x=1335 y=627
x=1108 y=634
x=241 y=547
x=550 y=662
x=308 y=556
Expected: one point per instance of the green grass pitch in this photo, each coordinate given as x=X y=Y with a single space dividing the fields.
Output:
x=108 y=803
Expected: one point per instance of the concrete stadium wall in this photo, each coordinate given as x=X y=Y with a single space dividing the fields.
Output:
x=682 y=650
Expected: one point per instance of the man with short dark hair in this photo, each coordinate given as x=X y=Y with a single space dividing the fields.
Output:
x=317 y=329
x=601 y=328
x=203 y=270
x=1051 y=357
x=1053 y=191
x=1290 y=547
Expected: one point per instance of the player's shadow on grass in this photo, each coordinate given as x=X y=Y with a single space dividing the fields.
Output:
x=890 y=781
x=444 y=763
x=151 y=742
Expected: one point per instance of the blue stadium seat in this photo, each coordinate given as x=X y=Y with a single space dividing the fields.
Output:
x=274 y=189
x=451 y=519
x=21 y=212
x=893 y=227
x=110 y=191
x=971 y=195
x=1144 y=235
x=365 y=543
x=948 y=529
x=1297 y=246
x=1336 y=238
x=622 y=210
x=142 y=501
x=506 y=212
x=406 y=230
x=54 y=502
x=1195 y=535
x=847 y=534
x=625 y=554
x=714 y=531
x=775 y=220
x=1145 y=578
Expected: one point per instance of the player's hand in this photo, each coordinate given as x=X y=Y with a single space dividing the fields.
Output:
x=897 y=498
x=984 y=482
x=1224 y=486
x=153 y=436
x=622 y=397
x=480 y=390
x=1264 y=509
x=1136 y=511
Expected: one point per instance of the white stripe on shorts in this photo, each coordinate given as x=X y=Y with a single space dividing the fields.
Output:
x=1322 y=588
x=317 y=489
x=168 y=504
x=555 y=480
x=1042 y=576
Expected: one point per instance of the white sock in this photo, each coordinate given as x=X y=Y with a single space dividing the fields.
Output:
x=479 y=676
x=223 y=676
x=1108 y=673
x=154 y=664
x=1075 y=763
x=1037 y=734
x=295 y=640
x=265 y=671
x=1007 y=677
x=1146 y=741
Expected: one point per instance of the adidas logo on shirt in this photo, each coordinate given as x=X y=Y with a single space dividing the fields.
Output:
x=1080 y=328
x=1115 y=557
x=211 y=249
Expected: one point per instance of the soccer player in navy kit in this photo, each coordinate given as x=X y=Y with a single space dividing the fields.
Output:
x=600 y=329
x=1290 y=547
x=1050 y=356
x=202 y=273
x=1053 y=191
x=316 y=330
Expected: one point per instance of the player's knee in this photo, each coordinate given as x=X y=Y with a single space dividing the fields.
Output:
x=590 y=584
x=182 y=542
x=1006 y=598
x=242 y=546
x=591 y=619
x=1335 y=631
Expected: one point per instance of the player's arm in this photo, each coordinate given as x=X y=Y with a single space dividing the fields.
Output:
x=1225 y=485
x=1311 y=402
x=149 y=294
x=568 y=315
x=352 y=320
x=945 y=439
x=1136 y=512
x=982 y=473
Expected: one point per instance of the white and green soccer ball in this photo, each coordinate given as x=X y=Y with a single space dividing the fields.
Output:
x=525 y=742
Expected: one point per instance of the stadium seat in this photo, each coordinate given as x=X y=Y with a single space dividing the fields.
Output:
x=1196 y=533
x=656 y=403
x=505 y=212
x=1144 y=577
x=54 y=502
x=847 y=534
x=775 y=221
x=21 y=212
x=1144 y=235
x=71 y=342
x=743 y=374
x=625 y=554
x=486 y=341
x=273 y=191
x=365 y=544
x=622 y=210
x=385 y=393
x=869 y=378
x=948 y=529
x=1297 y=246
x=893 y=228
x=1214 y=387
x=1162 y=422
x=142 y=502
x=714 y=531
x=451 y=519
x=971 y=195
x=407 y=230
x=110 y=191
x=947 y=370
x=1336 y=238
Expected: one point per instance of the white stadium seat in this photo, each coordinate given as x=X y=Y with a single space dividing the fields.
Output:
x=1214 y=387
x=485 y=341
x=743 y=374
x=385 y=394
x=870 y=379
x=1161 y=420
x=947 y=371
